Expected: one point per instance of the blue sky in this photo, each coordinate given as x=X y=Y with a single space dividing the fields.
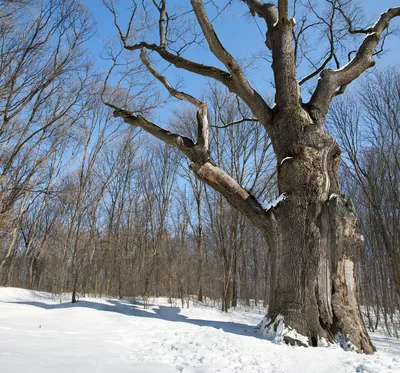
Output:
x=240 y=35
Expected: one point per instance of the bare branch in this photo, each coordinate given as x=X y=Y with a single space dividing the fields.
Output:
x=110 y=7
x=243 y=120
x=302 y=29
x=330 y=80
x=202 y=120
x=318 y=70
x=176 y=60
x=172 y=91
x=234 y=80
x=183 y=63
x=184 y=144
x=349 y=22
x=331 y=44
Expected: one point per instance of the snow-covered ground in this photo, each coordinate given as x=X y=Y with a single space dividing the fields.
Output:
x=40 y=334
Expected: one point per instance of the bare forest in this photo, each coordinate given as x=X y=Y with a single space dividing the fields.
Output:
x=287 y=200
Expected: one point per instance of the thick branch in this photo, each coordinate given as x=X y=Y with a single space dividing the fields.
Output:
x=331 y=80
x=283 y=9
x=279 y=39
x=242 y=86
x=203 y=127
x=162 y=21
x=235 y=194
x=212 y=39
x=184 y=144
x=182 y=63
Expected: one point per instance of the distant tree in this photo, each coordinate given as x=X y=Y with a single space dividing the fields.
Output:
x=312 y=234
x=44 y=80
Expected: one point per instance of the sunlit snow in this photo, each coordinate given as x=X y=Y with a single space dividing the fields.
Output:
x=266 y=205
x=40 y=334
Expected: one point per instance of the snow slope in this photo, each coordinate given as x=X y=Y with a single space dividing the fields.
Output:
x=40 y=334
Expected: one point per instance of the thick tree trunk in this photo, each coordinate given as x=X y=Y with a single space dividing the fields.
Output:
x=314 y=244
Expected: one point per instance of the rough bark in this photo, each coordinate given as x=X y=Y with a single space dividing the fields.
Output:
x=315 y=243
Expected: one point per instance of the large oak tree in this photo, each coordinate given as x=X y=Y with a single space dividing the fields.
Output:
x=312 y=233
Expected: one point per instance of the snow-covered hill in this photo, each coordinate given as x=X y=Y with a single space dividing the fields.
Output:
x=40 y=334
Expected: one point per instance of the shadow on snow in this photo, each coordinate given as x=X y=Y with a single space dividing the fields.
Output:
x=167 y=313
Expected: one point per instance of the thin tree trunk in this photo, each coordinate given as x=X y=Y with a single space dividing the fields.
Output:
x=199 y=250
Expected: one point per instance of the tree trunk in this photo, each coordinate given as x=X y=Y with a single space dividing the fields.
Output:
x=235 y=277
x=315 y=242
x=244 y=281
x=226 y=285
x=199 y=251
x=74 y=297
